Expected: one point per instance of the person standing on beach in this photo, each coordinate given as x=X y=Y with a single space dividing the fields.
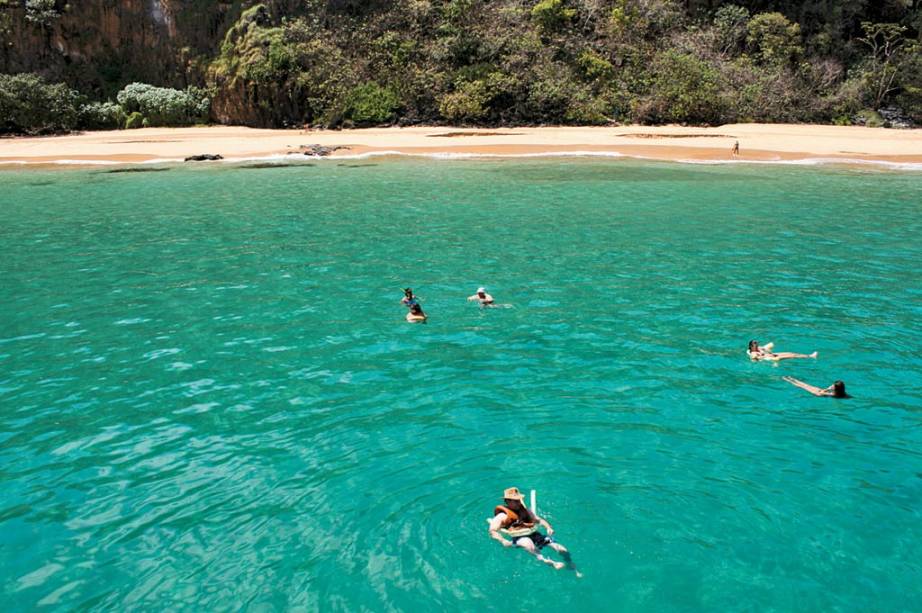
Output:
x=735 y=151
x=514 y=519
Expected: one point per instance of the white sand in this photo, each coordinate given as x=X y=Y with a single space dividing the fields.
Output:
x=758 y=142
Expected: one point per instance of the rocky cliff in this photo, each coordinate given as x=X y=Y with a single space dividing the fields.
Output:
x=99 y=45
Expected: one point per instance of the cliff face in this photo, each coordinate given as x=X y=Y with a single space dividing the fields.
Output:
x=99 y=45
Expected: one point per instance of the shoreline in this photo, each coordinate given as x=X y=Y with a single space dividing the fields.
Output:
x=759 y=143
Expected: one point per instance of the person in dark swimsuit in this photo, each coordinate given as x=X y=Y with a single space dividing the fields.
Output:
x=516 y=520
x=408 y=299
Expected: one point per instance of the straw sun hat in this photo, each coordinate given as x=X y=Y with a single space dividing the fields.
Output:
x=513 y=493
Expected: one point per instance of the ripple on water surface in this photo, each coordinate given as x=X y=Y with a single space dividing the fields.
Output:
x=209 y=398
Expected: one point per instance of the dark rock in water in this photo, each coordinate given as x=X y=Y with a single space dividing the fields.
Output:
x=120 y=170
x=320 y=150
x=272 y=165
x=204 y=157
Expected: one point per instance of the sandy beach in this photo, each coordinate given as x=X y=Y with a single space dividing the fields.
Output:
x=761 y=143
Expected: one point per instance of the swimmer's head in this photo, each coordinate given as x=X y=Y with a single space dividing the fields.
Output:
x=513 y=497
x=408 y=292
x=838 y=390
x=481 y=291
x=753 y=345
x=416 y=309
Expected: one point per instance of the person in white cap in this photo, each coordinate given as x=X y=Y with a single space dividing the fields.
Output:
x=482 y=296
x=515 y=520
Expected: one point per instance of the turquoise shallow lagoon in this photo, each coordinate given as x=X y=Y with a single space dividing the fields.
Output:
x=209 y=399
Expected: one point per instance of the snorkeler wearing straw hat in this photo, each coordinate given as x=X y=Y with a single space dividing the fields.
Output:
x=514 y=519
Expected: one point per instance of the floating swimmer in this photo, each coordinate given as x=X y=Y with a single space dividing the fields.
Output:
x=482 y=297
x=836 y=390
x=416 y=314
x=764 y=352
x=515 y=520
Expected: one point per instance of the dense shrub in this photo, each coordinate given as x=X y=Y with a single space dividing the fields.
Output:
x=467 y=103
x=164 y=106
x=586 y=109
x=685 y=89
x=134 y=120
x=42 y=12
x=102 y=116
x=773 y=39
x=30 y=105
x=730 y=27
x=594 y=66
x=370 y=104
x=552 y=14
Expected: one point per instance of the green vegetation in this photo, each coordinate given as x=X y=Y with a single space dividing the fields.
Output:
x=343 y=63
x=370 y=104
x=29 y=105
x=552 y=14
x=42 y=12
x=102 y=116
x=162 y=106
x=134 y=120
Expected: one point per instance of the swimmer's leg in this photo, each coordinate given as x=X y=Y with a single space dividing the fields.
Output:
x=529 y=546
x=786 y=355
x=565 y=554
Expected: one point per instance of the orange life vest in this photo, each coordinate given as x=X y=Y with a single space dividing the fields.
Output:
x=513 y=520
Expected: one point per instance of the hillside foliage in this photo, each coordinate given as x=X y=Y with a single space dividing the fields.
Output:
x=483 y=62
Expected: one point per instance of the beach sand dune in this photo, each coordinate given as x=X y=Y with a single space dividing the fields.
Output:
x=758 y=142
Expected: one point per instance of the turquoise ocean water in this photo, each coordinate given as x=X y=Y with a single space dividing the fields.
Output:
x=209 y=399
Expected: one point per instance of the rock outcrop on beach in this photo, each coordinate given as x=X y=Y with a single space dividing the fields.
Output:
x=320 y=151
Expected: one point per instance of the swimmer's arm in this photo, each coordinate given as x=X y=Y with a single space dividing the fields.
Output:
x=545 y=525
x=807 y=387
x=495 y=524
x=474 y=297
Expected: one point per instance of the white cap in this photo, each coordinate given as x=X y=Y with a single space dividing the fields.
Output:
x=481 y=290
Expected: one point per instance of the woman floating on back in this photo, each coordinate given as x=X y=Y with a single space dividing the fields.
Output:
x=836 y=390
x=416 y=314
x=764 y=352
